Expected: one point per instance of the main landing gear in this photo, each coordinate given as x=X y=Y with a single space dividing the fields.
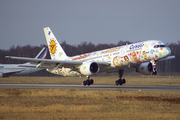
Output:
x=120 y=81
x=88 y=81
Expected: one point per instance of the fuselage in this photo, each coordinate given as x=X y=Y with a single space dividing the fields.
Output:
x=120 y=57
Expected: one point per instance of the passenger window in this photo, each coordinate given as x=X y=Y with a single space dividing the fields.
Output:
x=155 y=46
x=162 y=45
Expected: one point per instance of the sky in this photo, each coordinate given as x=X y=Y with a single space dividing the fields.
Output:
x=95 y=21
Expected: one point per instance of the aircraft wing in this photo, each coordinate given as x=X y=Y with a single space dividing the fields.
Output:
x=11 y=71
x=49 y=63
x=8 y=72
x=168 y=58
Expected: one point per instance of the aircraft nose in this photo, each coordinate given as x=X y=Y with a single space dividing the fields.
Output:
x=169 y=51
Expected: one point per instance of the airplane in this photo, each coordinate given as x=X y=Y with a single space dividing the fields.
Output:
x=140 y=56
x=20 y=69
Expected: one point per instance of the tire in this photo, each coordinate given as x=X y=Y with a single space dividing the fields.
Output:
x=116 y=82
x=91 y=81
x=123 y=81
x=155 y=73
x=85 y=83
x=88 y=82
x=120 y=82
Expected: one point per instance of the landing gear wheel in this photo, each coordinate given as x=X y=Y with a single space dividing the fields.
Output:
x=91 y=81
x=120 y=81
x=116 y=82
x=154 y=73
x=84 y=83
x=88 y=82
x=123 y=81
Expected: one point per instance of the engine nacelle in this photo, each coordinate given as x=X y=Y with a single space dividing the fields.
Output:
x=89 y=68
x=145 y=68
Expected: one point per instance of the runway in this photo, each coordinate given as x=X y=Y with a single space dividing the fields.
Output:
x=92 y=87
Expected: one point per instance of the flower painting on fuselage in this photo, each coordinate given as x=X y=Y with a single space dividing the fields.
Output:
x=141 y=52
x=121 y=57
x=65 y=72
x=135 y=56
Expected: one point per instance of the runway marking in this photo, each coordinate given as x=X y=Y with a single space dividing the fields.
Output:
x=92 y=87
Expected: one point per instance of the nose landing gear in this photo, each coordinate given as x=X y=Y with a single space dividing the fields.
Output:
x=120 y=81
x=154 y=71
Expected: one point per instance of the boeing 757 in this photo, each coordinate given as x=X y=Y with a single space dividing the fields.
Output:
x=20 y=69
x=142 y=56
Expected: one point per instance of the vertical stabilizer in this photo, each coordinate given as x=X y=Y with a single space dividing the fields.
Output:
x=55 y=49
x=42 y=54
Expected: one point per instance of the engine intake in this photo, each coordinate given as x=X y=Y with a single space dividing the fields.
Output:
x=89 y=68
x=145 y=68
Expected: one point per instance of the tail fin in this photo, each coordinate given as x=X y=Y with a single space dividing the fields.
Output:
x=55 y=49
x=42 y=54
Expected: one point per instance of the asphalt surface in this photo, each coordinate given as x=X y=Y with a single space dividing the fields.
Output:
x=92 y=87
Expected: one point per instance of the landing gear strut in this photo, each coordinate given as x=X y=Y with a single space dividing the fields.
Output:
x=88 y=81
x=154 y=71
x=120 y=81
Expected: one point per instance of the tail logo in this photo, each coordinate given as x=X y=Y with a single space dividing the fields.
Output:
x=52 y=46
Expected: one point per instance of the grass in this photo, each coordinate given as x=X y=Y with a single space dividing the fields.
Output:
x=81 y=104
x=130 y=80
x=63 y=104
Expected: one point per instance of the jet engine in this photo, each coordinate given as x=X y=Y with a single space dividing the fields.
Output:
x=145 y=68
x=89 y=68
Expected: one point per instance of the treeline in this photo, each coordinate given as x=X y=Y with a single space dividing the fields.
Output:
x=170 y=67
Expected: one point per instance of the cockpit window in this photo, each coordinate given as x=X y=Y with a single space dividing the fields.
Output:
x=158 y=46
